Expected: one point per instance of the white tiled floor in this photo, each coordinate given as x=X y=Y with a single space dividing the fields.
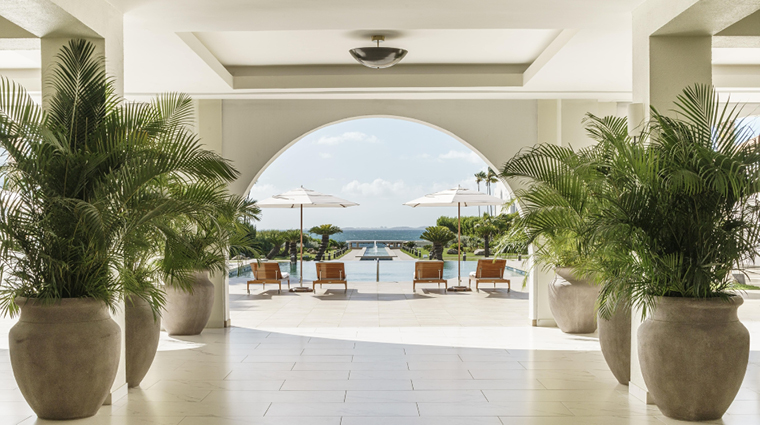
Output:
x=381 y=355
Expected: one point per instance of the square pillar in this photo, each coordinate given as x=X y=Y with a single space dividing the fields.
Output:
x=209 y=129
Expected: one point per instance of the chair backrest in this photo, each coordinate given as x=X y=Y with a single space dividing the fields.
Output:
x=331 y=271
x=491 y=268
x=428 y=270
x=266 y=271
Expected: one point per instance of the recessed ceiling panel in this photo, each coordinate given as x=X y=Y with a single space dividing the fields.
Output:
x=262 y=48
x=19 y=59
x=736 y=56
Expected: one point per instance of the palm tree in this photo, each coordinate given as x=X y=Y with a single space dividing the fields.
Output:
x=487 y=228
x=276 y=239
x=325 y=230
x=292 y=238
x=440 y=236
x=83 y=182
x=479 y=178
x=491 y=178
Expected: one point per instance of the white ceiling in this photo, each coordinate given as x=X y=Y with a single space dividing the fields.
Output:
x=20 y=59
x=330 y=47
x=594 y=63
x=736 y=56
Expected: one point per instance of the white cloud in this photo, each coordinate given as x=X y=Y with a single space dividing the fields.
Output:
x=377 y=187
x=349 y=136
x=325 y=155
x=467 y=156
x=262 y=191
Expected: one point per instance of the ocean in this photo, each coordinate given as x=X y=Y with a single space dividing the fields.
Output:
x=400 y=234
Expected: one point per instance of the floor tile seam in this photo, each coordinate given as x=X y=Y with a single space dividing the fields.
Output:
x=267 y=411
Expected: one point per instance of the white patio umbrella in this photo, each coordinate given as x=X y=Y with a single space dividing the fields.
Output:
x=304 y=198
x=461 y=198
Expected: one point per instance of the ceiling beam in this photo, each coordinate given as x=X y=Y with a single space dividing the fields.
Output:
x=707 y=17
x=44 y=18
x=357 y=76
x=552 y=49
x=206 y=56
x=736 y=76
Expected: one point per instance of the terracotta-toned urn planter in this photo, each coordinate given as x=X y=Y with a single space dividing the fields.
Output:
x=142 y=333
x=572 y=301
x=693 y=356
x=187 y=313
x=65 y=356
x=615 y=340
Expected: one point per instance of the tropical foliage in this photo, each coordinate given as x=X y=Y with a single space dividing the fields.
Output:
x=558 y=202
x=90 y=184
x=670 y=217
x=440 y=236
x=325 y=230
x=292 y=239
x=682 y=210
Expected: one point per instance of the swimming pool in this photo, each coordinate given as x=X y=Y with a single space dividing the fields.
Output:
x=365 y=271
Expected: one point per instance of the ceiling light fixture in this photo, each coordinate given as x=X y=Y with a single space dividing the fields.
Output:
x=378 y=57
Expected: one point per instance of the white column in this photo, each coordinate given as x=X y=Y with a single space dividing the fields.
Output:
x=209 y=128
x=549 y=130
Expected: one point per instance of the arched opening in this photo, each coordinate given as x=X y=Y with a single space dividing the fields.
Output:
x=379 y=162
x=317 y=130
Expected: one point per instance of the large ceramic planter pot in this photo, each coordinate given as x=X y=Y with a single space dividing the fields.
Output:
x=187 y=313
x=615 y=339
x=65 y=356
x=572 y=301
x=142 y=333
x=693 y=356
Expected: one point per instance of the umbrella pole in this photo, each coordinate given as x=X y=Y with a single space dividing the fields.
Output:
x=300 y=274
x=458 y=287
x=300 y=287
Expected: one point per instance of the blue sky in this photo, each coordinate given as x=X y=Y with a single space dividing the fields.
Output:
x=379 y=163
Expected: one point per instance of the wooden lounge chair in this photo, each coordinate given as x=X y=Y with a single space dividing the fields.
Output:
x=428 y=272
x=491 y=271
x=267 y=272
x=331 y=273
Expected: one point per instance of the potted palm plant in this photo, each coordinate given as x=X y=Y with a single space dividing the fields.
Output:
x=557 y=203
x=685 y=207
x=70 y=175
x=193 y=249
x=186 y=197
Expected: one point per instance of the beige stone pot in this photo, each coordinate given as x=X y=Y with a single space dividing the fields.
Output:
x=693 y=356
x=65 y=356
x=143 y=330
x=187 y=313
x=573 y=302
x=615 y=340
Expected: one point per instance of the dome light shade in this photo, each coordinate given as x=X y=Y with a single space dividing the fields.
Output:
x=378 y=57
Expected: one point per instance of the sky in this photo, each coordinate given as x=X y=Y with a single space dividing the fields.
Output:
x=379 y=163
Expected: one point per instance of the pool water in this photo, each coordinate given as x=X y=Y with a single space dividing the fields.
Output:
x=375 y=251
x=365 y=271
